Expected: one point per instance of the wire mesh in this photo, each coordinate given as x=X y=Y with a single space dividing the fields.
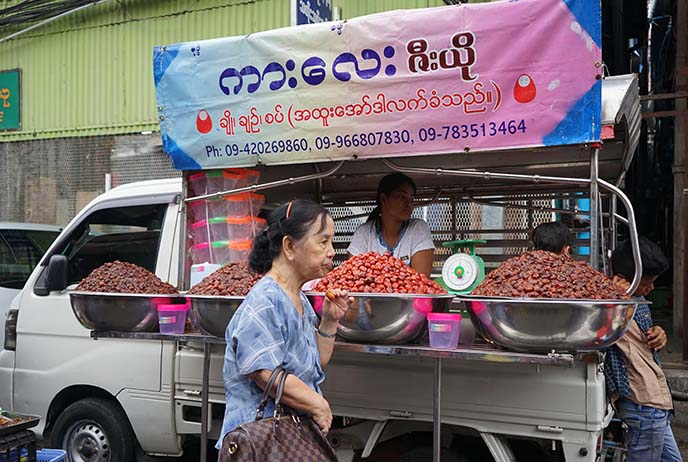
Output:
x=49 y=181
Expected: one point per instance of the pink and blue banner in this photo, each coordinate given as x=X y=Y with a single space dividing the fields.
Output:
x=464 y=78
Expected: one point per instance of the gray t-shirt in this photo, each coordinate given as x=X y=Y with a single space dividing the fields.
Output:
x=415 y=237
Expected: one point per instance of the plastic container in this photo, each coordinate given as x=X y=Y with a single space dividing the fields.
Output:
x=51 y=455
x=220 y=252
x=259 y=224
x=218 y=229
x=215 y=181
x=256 y=203
x=217 y=207
x=172 y=318
x=199 y=232
x=197 y=184
x=201 y=271
x=240 y=228
x=231 y=180
x=196 y=211
x=248 y=177
x=444 y=330
x=200 y=253
x=18 y=447
x=238 y=205
x=239 y=250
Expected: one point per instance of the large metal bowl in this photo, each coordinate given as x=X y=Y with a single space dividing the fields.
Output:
x=212 y=313
x=119 y=312
x=385 y=318
x=543 y=325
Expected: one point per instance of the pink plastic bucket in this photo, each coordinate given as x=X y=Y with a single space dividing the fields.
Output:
x=172 y=318
x=444 y=330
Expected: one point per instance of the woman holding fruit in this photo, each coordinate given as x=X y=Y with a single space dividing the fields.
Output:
x=390 y=228
x=276 y=325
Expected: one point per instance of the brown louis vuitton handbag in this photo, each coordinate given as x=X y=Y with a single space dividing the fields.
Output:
x=283 y=437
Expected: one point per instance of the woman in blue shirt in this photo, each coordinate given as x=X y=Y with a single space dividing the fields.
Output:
x=276 y=325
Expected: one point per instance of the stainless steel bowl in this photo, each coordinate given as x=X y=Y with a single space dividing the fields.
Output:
x=543 y=325
x=119 y=312
x=212 y=313
x=385 y=318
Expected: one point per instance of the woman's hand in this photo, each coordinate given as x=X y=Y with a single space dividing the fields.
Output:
x=335 y=305
x=656 y=338
x=322 y=416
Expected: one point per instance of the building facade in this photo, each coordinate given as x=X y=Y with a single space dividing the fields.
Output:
x=87 y=99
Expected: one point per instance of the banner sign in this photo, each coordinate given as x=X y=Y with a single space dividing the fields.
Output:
x=472 y=77
x=310 y=11
x=10 y=100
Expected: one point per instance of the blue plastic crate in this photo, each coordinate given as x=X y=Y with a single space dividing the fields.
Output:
x=51 y=455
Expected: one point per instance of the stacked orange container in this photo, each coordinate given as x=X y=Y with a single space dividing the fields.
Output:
x=222 y=229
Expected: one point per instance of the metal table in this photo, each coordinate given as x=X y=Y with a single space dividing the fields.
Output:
x=484 y=352
x=206 y=340
x=478 y=352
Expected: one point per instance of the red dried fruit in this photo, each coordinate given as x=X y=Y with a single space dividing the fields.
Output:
x=124 y=278
x=374 y=273
x=573 y=279
x=234 y=279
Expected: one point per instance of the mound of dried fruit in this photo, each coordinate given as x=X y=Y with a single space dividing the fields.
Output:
x=374 y=273
x=124 y=278
x=234 y=279
x=542 y=274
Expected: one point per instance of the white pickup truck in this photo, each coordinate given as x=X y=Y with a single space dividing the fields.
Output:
x=97 y=399
x=111 y=399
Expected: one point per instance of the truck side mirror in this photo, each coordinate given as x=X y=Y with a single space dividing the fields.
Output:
x=58 y=271
x=54 y=277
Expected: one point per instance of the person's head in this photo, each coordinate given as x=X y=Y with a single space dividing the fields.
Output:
x=395 y=194
x=298 y=234
x=653 y=260
x=553 y=237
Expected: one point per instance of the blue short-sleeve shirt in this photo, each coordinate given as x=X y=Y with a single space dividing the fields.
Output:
x=266 y=332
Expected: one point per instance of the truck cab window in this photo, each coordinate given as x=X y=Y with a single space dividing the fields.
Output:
x=130 y=234
x=20 y=251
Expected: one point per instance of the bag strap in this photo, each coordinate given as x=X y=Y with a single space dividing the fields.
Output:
x=278 y=396
x=276 y=373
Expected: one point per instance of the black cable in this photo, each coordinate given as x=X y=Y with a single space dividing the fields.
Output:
x=30 y=11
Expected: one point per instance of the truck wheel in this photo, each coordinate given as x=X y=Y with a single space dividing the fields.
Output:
x=424 y=454
x=94 y=430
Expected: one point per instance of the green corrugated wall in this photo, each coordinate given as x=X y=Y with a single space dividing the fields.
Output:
x=90 y=73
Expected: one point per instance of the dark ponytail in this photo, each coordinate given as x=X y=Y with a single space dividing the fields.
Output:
x=293 y=219
x=387 y=185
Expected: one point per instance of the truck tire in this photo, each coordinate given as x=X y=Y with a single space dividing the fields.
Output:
x=94 y=430
x=424 y=454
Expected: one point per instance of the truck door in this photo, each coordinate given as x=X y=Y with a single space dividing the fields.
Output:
x=55 y=356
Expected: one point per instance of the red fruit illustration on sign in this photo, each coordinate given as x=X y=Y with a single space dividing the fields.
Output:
x=203 y=122
x=524 y=89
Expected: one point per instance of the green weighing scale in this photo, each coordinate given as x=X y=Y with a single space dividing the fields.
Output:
x=464 y=270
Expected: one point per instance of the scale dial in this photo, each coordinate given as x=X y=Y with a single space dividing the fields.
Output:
x=460 y=271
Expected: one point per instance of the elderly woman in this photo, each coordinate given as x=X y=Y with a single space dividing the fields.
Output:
x=276 y=325
x=390 y=228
